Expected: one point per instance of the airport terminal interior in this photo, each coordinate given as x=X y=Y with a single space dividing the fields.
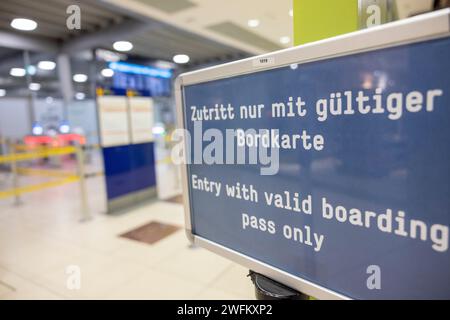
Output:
x=91 y=201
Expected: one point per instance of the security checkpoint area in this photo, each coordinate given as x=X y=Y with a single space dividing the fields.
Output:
x=235 y=159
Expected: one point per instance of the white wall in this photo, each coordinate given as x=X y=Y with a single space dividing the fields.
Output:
x=83 y=115
x=50 y=113
x=14 y=119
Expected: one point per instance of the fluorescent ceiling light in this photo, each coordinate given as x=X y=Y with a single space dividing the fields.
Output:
x=79 y=77
x=107 y=73
x=122 y=46
x=2 y=92
x=34 y=86
x=23 y=24
x=80 y=95
x=181 y=58
x=285 y=40
x=291 y=13
x=17 y=72
x=46 y=65
x=253 y=23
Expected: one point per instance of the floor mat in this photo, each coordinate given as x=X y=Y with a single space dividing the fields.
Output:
x=151 y=232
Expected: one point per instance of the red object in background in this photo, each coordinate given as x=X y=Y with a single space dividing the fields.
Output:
x=59 y=140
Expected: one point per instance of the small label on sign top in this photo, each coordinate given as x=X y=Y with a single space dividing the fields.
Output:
x=262 y=62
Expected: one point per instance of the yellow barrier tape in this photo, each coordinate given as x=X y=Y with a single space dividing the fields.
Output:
x=38 y=154
x=37 y=187
x=24 y=147
x=44 y=172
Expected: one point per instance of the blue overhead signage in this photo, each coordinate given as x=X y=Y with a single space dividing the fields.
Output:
x=335 y=171
x=152 y=81
x=140 y=69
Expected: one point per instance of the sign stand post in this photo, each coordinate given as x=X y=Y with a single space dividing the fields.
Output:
x=268 y=289
x=17 y=199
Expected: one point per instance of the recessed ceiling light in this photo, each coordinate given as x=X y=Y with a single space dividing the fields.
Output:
x=23 y=24
x=253 y=23
x=285 y=40
x=122 y=46
x=291 y=13
x=17 y=72
x=79 y=77
x=107 y=73
x=80 y=95
x=46 y=65
x=2 y=92
x=181 y=58
x=34 y=86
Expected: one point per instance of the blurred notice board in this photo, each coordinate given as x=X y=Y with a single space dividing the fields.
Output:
x=113 y=118
x=141 y=119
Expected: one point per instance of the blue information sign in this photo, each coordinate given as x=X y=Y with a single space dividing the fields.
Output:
x=353 y=195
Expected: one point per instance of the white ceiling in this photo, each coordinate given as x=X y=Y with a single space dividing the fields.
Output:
x=275 y=21
x=274 y=18
x=407 y=8
x=198 y=16
x=231 y=16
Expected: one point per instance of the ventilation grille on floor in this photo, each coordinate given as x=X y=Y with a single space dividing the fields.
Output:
x=169 y=6
x=236 y=32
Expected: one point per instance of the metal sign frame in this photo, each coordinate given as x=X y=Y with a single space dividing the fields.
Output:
x=420 y=28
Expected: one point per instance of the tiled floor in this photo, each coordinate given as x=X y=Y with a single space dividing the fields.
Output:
x=41 y=239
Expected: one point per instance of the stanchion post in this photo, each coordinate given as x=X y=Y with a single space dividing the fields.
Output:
x=17 y=200
x=85 y=212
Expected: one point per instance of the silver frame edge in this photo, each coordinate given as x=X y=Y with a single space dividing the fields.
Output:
x=272 y=272
x=179 y=99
